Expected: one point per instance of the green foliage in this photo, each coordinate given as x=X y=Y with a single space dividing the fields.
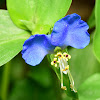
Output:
x=90 y=89
x=91 y=20
x=37 y=16
x=11 y=38
x=83 y=64
x=41 y=74
x=25 y=89
x=28 y=90
x=97 y=34
x=43 y=85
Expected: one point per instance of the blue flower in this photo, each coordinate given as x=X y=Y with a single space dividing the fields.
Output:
x=68 y=31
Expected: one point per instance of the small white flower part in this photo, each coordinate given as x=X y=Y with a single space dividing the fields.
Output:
x=60 y=61
x=55 y=65
x=69 y=56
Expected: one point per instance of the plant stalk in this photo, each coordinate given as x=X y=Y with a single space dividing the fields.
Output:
x=5 y=81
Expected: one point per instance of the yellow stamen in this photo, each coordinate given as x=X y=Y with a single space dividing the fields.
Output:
x=60 y=60
x=55 y=65
x=55 y=55
x=64 y=88
x=55 y=59
x=52 y=63
x=66 y=68
x=65 y=58
x=65 y=54
x=59 y=54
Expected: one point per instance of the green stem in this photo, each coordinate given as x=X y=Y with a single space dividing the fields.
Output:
x=5 y=81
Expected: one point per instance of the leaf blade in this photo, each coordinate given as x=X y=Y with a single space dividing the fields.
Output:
x=37 y=15
x=11 y=38
x=90 y=89
x=96 y=45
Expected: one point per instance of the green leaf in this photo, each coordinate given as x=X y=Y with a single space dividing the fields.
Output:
x=97 y=34
x=90 y=89
x=37 y=16
x=91 y=20
x=83 y=64
x=11 y=38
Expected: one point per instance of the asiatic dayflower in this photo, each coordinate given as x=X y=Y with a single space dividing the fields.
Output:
x=68 y=31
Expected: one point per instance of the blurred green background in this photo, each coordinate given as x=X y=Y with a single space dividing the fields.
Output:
x=24 y=82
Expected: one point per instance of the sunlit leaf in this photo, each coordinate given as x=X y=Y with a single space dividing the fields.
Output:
x=11 y=38
x=37 y=16
x=91 y=20
x=97 y=33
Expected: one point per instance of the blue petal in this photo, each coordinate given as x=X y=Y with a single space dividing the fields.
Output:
x=70 y=31
x=35 y=48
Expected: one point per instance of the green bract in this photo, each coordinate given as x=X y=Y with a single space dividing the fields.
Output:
x=11 y=38
x=90 y=89
x=97 y=34
x=83 y=61
x=37 y=16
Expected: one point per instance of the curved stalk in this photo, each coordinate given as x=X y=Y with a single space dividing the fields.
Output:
x=5 y=81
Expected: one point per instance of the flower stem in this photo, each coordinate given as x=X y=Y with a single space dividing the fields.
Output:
x=5 y=81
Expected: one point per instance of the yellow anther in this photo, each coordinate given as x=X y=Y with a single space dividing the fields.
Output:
x=58 y=61
x=55 y=59
x=66 y=68
x=59 y=54
x=71 y=86
x=54 y=62
x=65 y=58
x=64 y=88
x=65 y=54
x=55 y=65
x=55 y=55
x=72 y=89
